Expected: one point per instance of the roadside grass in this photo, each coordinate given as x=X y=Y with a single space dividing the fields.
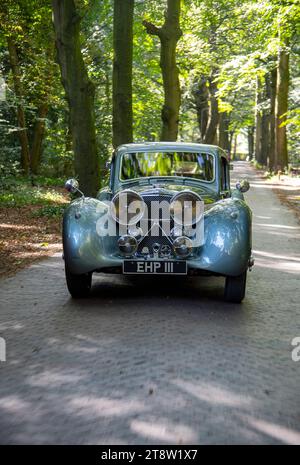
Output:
x=19 y=192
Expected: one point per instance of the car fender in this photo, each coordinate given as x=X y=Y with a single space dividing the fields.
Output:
x=227 y=237
x=83 y=243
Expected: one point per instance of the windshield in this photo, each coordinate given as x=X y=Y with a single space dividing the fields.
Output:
x=187 y=164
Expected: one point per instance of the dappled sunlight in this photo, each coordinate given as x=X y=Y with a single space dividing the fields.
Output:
x=48 y=264
x=281 y=433
x=288 y=267
x=287 y=235
x=91 y=406
x=36 y=253
x=85 y=350
x=22 y=227
x=261 y=185
x=285 y=263
x=15 y=405
x=270 y=255
x=281 y=226
x=52 y=378
x=213 y=394
x=164 y=430
x=265 y=185
x=277 y=230
x=8 y=325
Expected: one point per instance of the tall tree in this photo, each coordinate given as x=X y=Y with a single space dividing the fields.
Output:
x=169 y=35
x=224 y=121
x=212 y=126
x=18 y=88
x=122 y=71
x=258 y=118
x=281 y=158
x=79 y=92
x=200 y=96
x=26 y=29
x=272 y=146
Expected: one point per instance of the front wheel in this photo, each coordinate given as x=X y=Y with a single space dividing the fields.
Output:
x=235 y=288
x=79 y=285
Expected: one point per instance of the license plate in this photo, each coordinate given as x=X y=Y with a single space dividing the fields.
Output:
x=154 y=267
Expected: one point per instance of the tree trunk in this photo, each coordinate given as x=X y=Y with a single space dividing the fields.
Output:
x=169 y=34
x=122 y=72
x=265 y=122
x=272 y=145
x=79 y=92
x=224 y=121
x=212 y=126
x=201 y=96
x=234 y=146
x=231 y=135
x=38 y=135
x=258 y=119
x=250 y=133
x=281 y=160
x=22 y=132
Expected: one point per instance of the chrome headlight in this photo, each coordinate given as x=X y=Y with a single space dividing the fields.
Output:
x=127 y=244
x=186 y=208
x=127 y=207
x=136 y=232
x=183 y=246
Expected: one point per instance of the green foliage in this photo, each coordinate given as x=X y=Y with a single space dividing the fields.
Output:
x=232 y=40
x=20 y=193
x=50 y=211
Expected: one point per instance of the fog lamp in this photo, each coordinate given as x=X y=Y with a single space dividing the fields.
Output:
x=183 y=246
x=127 y=244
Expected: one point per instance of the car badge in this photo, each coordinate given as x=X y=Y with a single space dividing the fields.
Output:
x=165 y=251
x=156 y=249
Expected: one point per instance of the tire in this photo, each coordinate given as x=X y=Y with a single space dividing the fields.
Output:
x=79 y=285
x=235 y=288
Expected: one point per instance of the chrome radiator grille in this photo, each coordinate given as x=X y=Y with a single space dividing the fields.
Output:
x=155 y=217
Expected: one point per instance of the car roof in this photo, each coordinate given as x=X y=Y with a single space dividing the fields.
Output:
x=149 y=146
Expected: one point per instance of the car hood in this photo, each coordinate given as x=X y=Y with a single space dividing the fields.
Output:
x=208 y=195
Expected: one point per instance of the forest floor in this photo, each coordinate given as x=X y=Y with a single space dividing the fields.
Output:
x=30 y=225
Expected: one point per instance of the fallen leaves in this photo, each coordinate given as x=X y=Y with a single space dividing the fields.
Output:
x=26 y=237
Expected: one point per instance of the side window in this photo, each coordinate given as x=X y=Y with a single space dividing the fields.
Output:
x=224 y=174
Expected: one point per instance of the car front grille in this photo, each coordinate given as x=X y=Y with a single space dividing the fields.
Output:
x=157 y=224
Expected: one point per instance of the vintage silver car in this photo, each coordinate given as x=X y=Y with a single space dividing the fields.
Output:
x=168 y=209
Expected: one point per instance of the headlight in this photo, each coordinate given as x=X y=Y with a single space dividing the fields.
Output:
x=186 y=208
x=136 y=232
x=127 y=207
x=127 y=244
x=182 y=246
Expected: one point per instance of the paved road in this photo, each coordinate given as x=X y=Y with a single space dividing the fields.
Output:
x=161 y=361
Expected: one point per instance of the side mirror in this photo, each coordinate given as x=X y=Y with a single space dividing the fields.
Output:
x=72 y=185
x=243 y=185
